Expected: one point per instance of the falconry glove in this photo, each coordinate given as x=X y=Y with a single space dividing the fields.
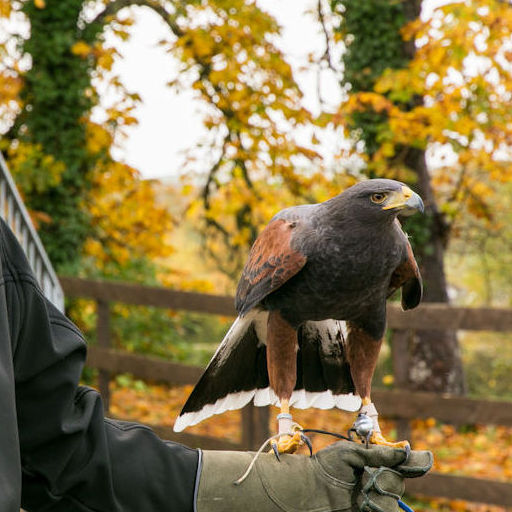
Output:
x=342 y=477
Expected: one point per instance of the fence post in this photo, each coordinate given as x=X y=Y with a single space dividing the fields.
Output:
x=103 y=336
x=254 y=426
x=400 y=355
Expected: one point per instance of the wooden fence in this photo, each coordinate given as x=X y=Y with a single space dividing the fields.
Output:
x=399 y=405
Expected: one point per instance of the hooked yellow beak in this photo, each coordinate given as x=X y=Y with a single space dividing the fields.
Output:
x=405 y=200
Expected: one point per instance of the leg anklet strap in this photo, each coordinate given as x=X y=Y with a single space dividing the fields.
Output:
x=371 y=411
x=285 y=422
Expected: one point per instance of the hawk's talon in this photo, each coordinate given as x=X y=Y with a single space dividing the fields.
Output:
x=273 y=444
x=305 y=440
x=407 y=452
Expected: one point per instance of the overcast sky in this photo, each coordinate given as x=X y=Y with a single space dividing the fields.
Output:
x=169 y=122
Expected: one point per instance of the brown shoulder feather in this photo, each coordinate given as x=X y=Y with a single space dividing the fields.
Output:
x=272 y=261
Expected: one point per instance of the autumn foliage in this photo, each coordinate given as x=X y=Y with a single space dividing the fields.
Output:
x=452 y=99
x=449 y=98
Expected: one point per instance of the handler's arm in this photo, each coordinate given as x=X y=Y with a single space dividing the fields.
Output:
x=71 y=457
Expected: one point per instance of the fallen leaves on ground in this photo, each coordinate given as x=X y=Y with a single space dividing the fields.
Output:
x=477 y=451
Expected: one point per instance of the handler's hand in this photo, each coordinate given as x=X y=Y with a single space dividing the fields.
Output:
x=342 y=477
x=379 y=479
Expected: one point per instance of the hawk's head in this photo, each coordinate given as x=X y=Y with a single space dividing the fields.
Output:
x=379 y=199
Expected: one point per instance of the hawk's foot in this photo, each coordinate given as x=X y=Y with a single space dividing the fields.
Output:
x=378 y=438
x=289 y=443
x=291 y=434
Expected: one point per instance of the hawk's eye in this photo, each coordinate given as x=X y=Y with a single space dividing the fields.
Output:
x=378 y=197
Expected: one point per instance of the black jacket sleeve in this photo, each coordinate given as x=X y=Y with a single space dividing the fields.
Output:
x=58 y=452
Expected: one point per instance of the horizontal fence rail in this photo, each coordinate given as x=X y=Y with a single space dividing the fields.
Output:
x=427 y=316
x=400 y=405
x=393 y=404
x=139 y=295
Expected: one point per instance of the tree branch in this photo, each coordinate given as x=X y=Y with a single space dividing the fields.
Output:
x=327 y=54
x=211 y=174
x=114 y=7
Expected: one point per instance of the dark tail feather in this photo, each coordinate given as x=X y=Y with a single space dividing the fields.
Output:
x=236 y=371
x=323 y=373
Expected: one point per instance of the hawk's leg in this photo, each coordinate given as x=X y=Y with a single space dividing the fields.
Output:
x=282 y=349
x=290 y=433
x=363 y=352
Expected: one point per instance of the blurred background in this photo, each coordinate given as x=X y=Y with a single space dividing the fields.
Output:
x=151 y=140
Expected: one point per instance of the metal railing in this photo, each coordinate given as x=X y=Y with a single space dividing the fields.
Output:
x=15 y=214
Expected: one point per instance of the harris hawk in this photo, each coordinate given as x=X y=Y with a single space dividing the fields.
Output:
x=311 y=306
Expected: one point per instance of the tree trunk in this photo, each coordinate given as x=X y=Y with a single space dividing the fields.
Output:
x=434 y=357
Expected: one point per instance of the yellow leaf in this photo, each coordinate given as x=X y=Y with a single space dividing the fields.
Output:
x=5 y=8
x=388 y=380
x=105 y=61
x=81 y=48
